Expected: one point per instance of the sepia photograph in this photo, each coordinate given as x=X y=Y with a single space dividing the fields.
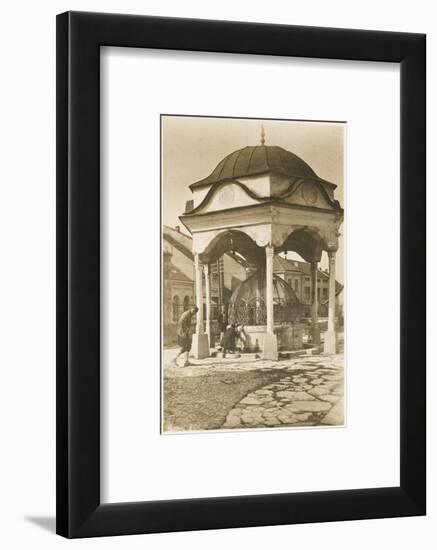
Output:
x=253 y=281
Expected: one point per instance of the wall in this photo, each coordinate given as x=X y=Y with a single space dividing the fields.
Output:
x=27 y=225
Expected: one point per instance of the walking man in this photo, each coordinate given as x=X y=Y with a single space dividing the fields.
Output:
x=228 y=340
x=184 y=335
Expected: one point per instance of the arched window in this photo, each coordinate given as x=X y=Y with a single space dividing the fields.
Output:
x=176 y=308
x=186 y=303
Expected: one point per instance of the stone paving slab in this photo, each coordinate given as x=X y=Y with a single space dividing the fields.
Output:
x=335 y=417
x=307 y=397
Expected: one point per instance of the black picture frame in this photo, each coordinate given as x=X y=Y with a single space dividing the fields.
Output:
x=79 y=511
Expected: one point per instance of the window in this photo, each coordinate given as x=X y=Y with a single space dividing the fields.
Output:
x=318 y=294
x=186 y=303
x=296 y=285
x=325 y=293
x=307 y=279
x=307 y=292
x=176 y=308
x=289 y=281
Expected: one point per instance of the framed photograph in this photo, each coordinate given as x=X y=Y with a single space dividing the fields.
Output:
x=240 y=274
x=249 y=338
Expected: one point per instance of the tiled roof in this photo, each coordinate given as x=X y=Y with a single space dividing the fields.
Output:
x=178 y=239
x=282 y=264
x=177 y=275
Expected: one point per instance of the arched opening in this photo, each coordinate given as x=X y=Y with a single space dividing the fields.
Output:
x=176 y=308
x=232 y=256
x=306 y=242
x=304 y=247
x=237 y=244
x=186 y=302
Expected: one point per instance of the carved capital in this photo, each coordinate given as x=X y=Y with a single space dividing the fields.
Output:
x=270 y=251
x=331 y=256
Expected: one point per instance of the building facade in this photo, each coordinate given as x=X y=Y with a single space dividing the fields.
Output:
x=298 y=275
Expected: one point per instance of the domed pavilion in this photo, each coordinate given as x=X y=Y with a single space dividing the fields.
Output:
x=257 y=202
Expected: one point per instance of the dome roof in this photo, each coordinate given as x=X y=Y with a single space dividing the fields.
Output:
x=259 y=159
x=247 y=303
x=254 y=287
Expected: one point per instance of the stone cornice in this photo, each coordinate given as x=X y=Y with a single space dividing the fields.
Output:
x=293 y=186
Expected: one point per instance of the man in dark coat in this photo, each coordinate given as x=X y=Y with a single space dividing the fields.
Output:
x=222 y=322
x=228 y=340
x=184 y=335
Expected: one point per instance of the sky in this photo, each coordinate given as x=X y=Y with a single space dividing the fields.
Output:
x=193 y=146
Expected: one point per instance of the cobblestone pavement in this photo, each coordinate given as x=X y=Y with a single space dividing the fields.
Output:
x=301 y=391
x=307 y=396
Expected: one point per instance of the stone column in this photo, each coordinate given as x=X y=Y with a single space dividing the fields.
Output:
x=169 y=329
x=330 y=336
x=208 y=302
x=219 y=287
x=314 y=306
x=269 y=288
x=257 y=318
x=200 y=344
x=199 y=294
x=270 y=350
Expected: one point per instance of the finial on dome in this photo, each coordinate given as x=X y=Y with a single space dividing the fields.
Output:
x=263 y=136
